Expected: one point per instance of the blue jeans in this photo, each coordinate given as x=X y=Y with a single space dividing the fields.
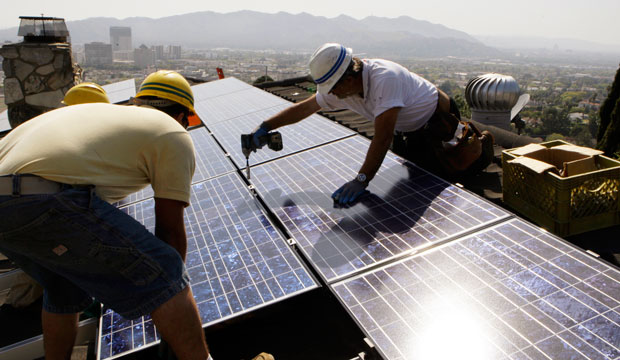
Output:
x=78 y=246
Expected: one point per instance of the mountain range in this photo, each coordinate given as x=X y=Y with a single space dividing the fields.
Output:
x=395 y=37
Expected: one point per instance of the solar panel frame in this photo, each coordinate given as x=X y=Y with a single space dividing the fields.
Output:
x=521 y=292
x=407 y=210
x=237 y=260
x=211 y=161
x=313 y=131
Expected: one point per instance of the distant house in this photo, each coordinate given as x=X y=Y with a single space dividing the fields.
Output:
x=577 y=117
x=589 y=105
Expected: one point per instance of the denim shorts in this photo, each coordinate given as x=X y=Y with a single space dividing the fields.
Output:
x=79 y=247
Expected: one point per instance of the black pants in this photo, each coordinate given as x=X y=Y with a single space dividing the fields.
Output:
x=418 y=146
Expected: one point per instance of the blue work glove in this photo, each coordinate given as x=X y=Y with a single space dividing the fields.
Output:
x=349 y=192
x=262 y=130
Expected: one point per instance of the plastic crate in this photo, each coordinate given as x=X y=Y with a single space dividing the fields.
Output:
x=564 y=205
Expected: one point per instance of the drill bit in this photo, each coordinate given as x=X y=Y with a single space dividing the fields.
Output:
x=247 y=167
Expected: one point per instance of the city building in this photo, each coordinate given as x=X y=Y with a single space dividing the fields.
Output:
x=174 y=52
x=120 y=38
x=158 y=52
x=143 y=56
x=98 y=53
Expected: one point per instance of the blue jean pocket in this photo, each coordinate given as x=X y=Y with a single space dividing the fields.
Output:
x=81 y=249
x=129 y=262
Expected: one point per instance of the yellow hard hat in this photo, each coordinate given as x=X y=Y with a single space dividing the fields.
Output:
x=84 y=93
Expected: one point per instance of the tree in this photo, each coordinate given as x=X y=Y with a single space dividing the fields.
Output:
x=463 y=106
x=608 y=106
x=262 y=79
x=555 y=121
x=555 y=136
x=608 y=136
x=610 y=142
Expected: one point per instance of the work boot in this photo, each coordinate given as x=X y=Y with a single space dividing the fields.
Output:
x=264 y=356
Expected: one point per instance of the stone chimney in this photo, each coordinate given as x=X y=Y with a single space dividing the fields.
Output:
x=39 y=70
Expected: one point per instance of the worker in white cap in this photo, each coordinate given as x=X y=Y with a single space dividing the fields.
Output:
x=401 y=104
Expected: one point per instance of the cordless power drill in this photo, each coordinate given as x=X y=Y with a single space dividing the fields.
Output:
x=273 y=140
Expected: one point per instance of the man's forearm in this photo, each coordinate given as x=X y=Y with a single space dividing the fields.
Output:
x=175 y=238
x=169 y=225
x=293 y=114
x=375 y=155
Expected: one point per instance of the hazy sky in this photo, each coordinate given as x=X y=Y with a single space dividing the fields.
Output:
x=594 y=20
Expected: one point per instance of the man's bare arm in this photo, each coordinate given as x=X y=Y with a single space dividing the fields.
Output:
x=169 y=225
x=380 y=144
x=294 y=113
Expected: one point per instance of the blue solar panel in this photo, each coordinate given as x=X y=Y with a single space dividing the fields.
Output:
x=313 y=131
x=407 y=208
x=217 y=88
x=210 y=162
x=236 y=259
x=120 y=91
x=510 y=291
x=235 y=104
x=4 y=121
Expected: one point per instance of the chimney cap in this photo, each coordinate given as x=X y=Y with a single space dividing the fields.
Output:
x=43 y=28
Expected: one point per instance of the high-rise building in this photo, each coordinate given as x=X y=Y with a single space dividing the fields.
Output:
x=158 y=51
x=120 y=38
x=174 y=52
x=143 y=56
x=98 y=53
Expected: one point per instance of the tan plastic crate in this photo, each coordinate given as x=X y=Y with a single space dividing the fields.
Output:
x=564 y=205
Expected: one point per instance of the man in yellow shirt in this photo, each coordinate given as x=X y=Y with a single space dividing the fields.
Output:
x=60 y=173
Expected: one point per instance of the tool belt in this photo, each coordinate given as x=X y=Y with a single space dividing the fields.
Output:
x=27 y=184
x=454 y=151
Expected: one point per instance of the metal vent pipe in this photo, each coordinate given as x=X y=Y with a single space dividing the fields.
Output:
x=491 y=97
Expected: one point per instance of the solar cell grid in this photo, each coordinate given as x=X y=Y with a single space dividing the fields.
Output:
x=210 y=162
x=217 y=88
x=508 y=292
x=216 y=109
x=237 y=262
x=313 y=131
x=4 y=121
x=407 y=208
x=121 y=91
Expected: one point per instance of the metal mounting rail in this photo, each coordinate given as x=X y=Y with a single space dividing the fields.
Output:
x=33 y=348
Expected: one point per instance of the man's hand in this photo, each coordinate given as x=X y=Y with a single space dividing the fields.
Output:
x=262 y=130
x=349 y=192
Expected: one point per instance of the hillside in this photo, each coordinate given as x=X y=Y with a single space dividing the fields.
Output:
x=402 y=36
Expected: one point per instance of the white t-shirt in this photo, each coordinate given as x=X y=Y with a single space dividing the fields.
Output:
x=119 y=149
x=388 y=85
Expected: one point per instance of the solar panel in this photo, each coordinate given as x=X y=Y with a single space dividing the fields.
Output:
x=407 y=208
x=121 y=91
x=210 y=162
x=217 y=88
x=508 y=292
x=236 y=259
x=313 y=131
x=4 y=121
x=232 y=105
